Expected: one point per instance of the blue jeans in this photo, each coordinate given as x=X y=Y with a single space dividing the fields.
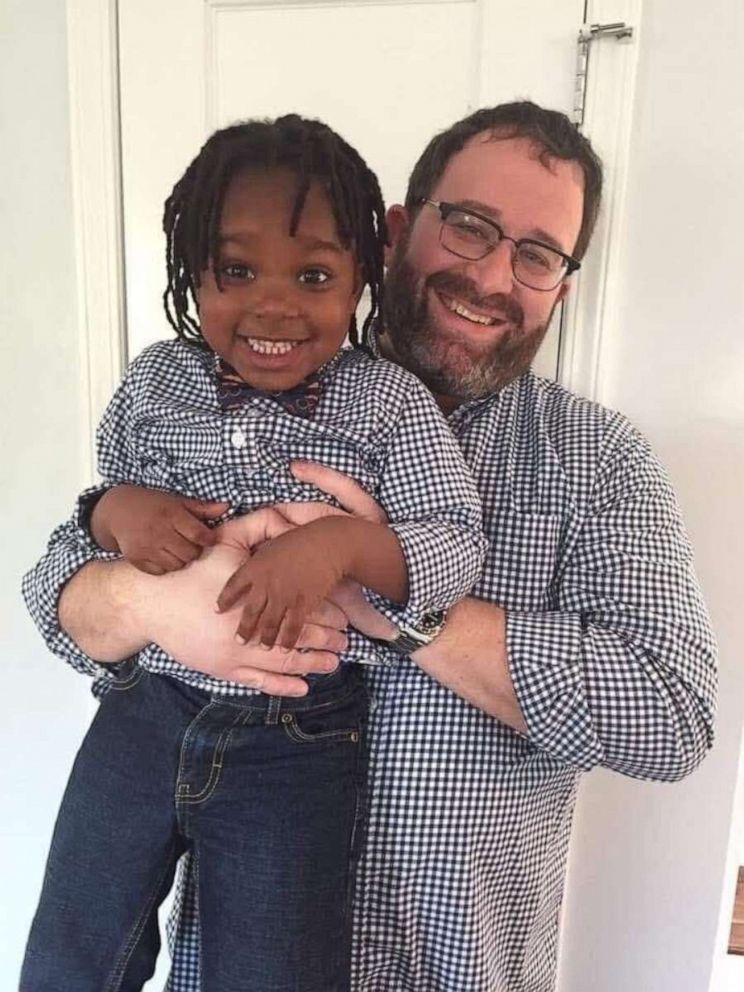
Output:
x=267 y=793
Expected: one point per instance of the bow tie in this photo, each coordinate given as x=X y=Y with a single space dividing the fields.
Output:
x=232 y=391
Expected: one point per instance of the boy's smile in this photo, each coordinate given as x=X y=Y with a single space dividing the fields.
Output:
x=286 y=302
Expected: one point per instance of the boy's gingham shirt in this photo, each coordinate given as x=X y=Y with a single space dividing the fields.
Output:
x=612 y=658
x=613 y=661
x=375 y=422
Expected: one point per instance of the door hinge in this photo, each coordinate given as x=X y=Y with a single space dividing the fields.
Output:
x=587 y=34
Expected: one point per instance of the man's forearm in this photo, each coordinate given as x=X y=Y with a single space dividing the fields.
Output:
x=98 y=609
x=469 y=657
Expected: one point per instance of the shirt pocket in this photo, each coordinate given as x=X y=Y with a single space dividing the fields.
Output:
x=175 y=451
x=522 y=561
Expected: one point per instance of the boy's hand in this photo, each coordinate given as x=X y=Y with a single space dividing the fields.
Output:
x=284 y=582
x=156 y=532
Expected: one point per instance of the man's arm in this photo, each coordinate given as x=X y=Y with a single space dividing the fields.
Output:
x=470 y=658
x=98 y=609
x=109 y=610
x=622 y=671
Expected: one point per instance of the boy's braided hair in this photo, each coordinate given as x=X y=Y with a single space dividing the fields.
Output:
x=191 y=219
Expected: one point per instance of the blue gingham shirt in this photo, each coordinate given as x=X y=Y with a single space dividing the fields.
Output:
x=612 y=658
x=375 y=422
x=614 y=664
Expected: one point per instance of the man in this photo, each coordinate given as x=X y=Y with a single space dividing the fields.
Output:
x=585 y=641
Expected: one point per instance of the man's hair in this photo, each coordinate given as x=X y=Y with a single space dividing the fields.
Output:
x=551 y=132
x=193 y=211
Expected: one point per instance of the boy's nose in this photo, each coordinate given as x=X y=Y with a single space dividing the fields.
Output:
x=273 y=303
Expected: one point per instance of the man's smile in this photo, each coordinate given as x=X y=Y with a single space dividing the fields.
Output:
x=468 y=312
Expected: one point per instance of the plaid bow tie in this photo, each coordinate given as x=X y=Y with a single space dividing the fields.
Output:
x=232 y=391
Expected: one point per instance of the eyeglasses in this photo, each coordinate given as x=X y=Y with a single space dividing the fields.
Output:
x=472 y=236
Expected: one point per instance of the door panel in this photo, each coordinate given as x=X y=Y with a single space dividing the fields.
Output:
x=386 y=75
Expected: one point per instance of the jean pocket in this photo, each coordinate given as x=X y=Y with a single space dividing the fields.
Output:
x=341 y=724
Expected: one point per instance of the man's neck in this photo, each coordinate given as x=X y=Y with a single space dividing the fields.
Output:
x=445 y=403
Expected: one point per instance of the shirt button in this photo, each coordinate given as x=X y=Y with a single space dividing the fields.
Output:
x=237 y=439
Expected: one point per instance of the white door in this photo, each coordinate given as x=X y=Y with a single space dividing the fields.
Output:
x=387 y=75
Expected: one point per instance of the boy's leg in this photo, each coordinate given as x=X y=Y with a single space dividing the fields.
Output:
x=114 y=848
x=275 y=841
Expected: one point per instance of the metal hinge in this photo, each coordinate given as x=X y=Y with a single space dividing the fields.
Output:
x=587 y=34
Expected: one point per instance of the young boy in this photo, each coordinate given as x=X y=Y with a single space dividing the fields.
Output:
x=272 y=232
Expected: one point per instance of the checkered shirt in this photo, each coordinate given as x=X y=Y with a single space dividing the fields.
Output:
x=375 y=422
x=613 y=661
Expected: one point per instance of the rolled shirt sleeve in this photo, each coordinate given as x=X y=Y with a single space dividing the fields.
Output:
x=429 y=495
x=622 y=673
x=71 y=545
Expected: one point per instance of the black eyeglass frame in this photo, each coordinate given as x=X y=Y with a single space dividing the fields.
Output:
x=445 y=209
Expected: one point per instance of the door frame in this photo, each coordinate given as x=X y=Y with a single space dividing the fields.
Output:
x=588 y=320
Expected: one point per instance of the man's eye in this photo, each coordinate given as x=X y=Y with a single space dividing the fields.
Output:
x=237 y=270
x=537 y=257
x=465 y=227
x=314 y=277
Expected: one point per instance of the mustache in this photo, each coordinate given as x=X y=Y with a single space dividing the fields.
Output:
x=452 y=284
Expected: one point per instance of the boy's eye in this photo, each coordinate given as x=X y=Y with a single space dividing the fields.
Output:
x=237 y=270
x=314 y=277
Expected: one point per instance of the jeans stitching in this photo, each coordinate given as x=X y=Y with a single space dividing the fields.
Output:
x=128 y=683
x=296 y=734
x=119 y=972
x=215 y=770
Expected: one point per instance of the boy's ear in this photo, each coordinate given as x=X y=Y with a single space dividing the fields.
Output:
x=398 y=223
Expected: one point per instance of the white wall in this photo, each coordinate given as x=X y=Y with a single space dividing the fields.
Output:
x=44 y=707
x=650 y=867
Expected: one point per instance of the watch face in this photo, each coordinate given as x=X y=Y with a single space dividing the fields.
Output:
x=431 y=622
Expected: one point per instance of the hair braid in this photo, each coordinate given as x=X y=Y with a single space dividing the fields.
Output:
x=193 y=211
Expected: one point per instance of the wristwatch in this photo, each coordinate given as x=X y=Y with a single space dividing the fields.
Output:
x=411 y=638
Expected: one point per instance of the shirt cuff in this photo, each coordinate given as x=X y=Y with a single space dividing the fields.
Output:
x=544 y=655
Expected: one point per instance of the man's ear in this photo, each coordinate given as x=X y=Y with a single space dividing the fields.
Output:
x=398 y=223
x=564 y=290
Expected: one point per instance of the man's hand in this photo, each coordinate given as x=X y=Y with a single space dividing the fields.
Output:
x=187 y=626
x=283 y=582
x=349 y=493
x=469 y=656
x=111 y=611
x=156 y=532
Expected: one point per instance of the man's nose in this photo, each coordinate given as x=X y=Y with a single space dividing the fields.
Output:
x=494 y=272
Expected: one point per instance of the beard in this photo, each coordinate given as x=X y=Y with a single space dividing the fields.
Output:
x=449 y=366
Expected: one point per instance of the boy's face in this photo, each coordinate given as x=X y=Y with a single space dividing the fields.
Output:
x=286 y=302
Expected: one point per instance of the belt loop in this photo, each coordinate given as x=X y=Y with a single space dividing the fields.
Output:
x=272 y=711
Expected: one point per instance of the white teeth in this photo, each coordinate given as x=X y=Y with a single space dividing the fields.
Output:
x=263 y=347
x=462 y=311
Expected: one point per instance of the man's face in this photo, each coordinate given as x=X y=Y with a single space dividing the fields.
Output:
x=467 y=328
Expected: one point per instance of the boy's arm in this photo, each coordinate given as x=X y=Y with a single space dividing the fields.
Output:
x=425 y=560
x=155 y=531
x=434 y=510
x=286 y=579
